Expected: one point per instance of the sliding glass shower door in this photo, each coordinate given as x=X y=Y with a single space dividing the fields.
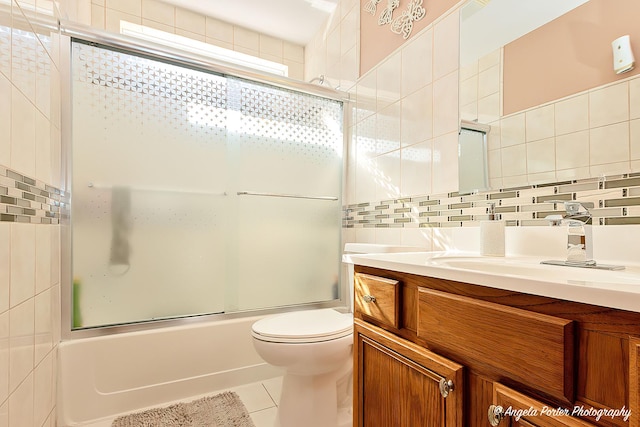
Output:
x=196 y=193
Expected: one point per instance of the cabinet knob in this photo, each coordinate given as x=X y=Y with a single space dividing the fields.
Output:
x=495 y=414
x=446 y=387
x=369 y=298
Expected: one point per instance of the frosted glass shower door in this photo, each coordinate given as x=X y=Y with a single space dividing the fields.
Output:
x=149 y=172
x=285 y=149
x=197 y=193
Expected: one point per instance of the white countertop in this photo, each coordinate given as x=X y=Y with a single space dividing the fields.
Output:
x=615 y=289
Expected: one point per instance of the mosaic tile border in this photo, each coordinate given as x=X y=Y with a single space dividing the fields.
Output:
x=616 y=200
x=27 y=200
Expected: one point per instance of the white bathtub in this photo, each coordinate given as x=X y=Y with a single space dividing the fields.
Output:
x=105 y=376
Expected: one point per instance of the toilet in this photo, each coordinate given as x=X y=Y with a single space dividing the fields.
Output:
x=315 y=348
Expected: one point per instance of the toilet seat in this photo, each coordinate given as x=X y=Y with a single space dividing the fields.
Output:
x=304 y=326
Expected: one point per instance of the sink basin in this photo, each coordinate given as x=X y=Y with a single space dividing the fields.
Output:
x=531 y=268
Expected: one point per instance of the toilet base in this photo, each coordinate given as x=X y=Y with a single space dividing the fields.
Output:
x=316 y=401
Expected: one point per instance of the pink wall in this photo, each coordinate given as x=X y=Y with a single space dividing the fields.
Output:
x=569 y=55
x=377 y=41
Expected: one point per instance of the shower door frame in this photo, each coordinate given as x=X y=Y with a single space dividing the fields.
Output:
x=69 y=32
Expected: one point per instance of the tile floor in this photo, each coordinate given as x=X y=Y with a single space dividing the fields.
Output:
x=261 y=400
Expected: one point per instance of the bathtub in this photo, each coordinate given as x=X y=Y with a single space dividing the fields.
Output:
x=102 y=377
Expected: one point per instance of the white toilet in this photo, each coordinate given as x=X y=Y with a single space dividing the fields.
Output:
x=315 y=348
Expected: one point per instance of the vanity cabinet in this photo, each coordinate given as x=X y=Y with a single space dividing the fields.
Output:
x=513 y=409
x=499 y=347
x=634 y=380
x=399 y=383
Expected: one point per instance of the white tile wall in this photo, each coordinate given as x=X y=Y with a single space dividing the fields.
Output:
x=29 y=253
x=579 y=123
x=107 y=14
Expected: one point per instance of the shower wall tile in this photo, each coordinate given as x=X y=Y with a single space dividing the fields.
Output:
x=271 y=46
x=21 y=344
x=5 y=121
x=217 y=30
x=512 y=130
x=186 y=23
x=4 y=358
x=539 y=123
x=5 y=252
x=349 y=26
x=23 y=136
x=634 y=136
x=113 y=18
x=388 y=129
x=572 y=115
x=43 y=390
x=158 y=26
x=445 y=46
x=191 y=35
x=445 y=174
x=609 y=144
x=609 y=105
x=293 y=52
x=21 y=405
x=29 y=199
x=572 y=150
x=43 y=246
x=22 y=267
x=387 y=82
x=538 y=158
x=43 y=148
x=416 y=169
x=246 y=38
x=417 y=60
x=445 y=104
x=132 y=7
x=417 y=116
x=190 y=21
x=160 y=12
x=634 y=99
x=43 y=330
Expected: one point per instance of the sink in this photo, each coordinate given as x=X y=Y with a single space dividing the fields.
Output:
x=531 y=268
x=611 y=288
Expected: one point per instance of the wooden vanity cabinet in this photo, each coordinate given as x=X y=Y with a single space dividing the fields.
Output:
x=513 y=409
x=400 y=384
x=517 y=350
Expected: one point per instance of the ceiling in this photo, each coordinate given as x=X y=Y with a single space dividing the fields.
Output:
x=296 y=21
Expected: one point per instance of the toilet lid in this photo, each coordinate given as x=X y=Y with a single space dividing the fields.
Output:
x=304 y=326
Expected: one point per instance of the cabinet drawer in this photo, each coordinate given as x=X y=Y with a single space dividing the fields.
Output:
x=532 y=349
x=378 y=298
x=511 y=408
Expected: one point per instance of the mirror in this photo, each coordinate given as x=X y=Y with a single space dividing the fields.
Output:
x=472 y=157
x=539 y=73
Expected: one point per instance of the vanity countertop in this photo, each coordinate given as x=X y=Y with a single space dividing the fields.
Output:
x=615 y=289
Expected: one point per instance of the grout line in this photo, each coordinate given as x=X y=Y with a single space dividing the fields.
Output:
x=270 y=396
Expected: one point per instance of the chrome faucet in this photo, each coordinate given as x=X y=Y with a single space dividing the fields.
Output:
x=579 y=222
x=579 y=234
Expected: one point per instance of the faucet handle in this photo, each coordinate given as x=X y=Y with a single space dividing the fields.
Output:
x=554 y=219
x=575 y=207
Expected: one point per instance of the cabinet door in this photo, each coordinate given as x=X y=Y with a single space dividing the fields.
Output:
x=634 y=381
x=398 y=383
x=513 y=409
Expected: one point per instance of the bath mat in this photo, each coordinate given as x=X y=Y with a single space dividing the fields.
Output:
x=223 y=410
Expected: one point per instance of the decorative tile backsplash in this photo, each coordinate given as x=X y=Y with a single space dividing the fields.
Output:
x=26 y=200
x=616 y=201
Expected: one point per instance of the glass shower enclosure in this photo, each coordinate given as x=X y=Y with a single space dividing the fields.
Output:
x=196 y=193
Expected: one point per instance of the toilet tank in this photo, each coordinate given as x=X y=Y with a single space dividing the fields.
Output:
x=368 y=248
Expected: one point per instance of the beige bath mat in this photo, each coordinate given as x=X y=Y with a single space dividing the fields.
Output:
x=223 y=410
